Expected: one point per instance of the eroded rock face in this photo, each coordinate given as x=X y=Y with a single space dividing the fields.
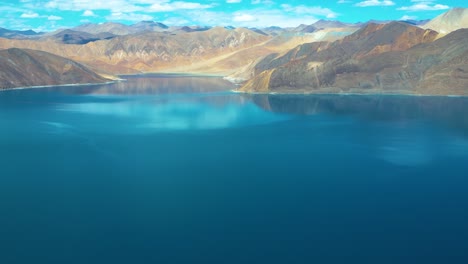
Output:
x=395 y=57
x=22 y=68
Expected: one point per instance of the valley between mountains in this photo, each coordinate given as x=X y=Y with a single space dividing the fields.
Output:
x=408 y=57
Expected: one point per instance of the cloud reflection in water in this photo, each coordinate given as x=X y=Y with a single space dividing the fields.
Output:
x=143 y=115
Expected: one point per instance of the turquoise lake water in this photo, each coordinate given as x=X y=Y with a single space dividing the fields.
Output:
x=178 y=169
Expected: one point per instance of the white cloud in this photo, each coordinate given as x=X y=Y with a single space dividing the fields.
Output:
x=375 y=3
x=135 y=17
x=166 y=6
x=423 y=5
x=113 y=5
x=284 y=16
x=174 y=21
x=263 y=18
x=262 y=2
x=406 y=17
x=125 y=6
x=311 y=10
x=233 y=1
x=244 y=18
x=54 y=18
x=88 y=13
x=29 y=15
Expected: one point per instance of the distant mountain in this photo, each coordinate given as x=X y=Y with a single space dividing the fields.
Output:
x=17 y=34
x=323 y=24
x=320 y=25
x=149 y=51
x=259 y=31
x=372 y=21
x=121 y=29
x=189 y=29
x=149 y=26
x=274 y=31
x=22 y=67
x=449 y=21
x=391 y=57
x=109 y=27
x=317 y=26
x=305 y=29
x=69 y=36
x=416 y=22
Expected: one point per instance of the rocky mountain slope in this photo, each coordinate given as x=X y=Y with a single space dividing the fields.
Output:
x=355 y=62
x=449 y=21
x=22 y=68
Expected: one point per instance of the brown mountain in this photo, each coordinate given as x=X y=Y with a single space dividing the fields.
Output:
x=149 y=51
x=449 y=21
x=22 y=67
x=394 y=57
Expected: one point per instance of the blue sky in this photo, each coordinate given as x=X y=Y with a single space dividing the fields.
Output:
x=47 y=15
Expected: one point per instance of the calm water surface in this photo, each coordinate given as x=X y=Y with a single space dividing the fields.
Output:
x=174 y=169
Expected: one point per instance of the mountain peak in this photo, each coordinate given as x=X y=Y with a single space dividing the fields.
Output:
x=6 y=33
x=322 y=23
x=149 y=25
x=449 y=21
x=150 y=22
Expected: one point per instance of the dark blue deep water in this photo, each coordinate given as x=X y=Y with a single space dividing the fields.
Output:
x=174 y=169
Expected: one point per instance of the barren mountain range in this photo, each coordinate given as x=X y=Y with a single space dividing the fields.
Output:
x=327 y=56
x=395 y=57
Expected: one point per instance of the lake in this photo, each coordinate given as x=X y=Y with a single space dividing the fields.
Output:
x=179 y=169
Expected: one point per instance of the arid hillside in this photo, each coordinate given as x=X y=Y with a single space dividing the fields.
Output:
x=22 y=68
x=378 y=57
x=450 y=21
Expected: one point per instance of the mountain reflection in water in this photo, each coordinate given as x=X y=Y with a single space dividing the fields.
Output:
x=156 y=84
x=448 y=111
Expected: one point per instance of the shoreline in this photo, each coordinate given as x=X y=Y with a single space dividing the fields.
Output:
x=351 y=93
x=175 y=74
x=190 y=74
x=60 y=85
